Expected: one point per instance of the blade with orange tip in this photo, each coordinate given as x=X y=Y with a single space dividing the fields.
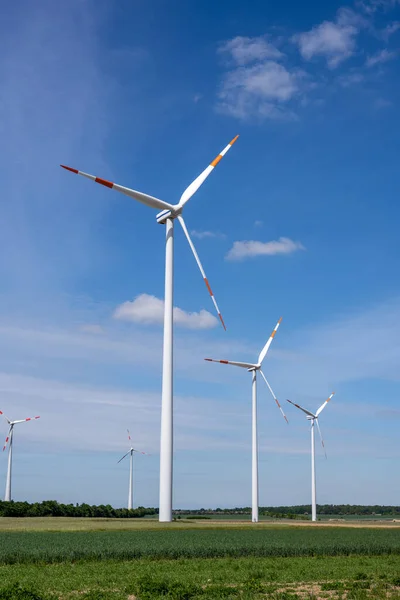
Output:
x=7 y=438
x=274 y=397
x=321 y=408
x=232 y=362
x=143 y=198
x=24 y=420
x=6 y=418
x=310 y=414
x=264 y=351
x=185 y=231
x=194 y=186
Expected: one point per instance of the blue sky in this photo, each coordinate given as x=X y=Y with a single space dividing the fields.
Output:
x=300 y=219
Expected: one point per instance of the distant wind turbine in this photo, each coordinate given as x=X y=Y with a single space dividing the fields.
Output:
x=168 y=214
x=314 y=421
x=253 y=368
x=131 y=451
x=9 y=441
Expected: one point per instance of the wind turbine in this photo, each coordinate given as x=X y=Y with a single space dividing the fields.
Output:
x=314 y=421
x=253 y=368
x=131 y=451
x=9 y=441
x=167 y=216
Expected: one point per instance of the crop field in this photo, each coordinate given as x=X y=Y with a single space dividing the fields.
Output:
x=50 y=547
x=201 y=562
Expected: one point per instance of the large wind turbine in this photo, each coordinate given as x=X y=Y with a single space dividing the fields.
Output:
x=168 y=214
x=131 y=451
x=314 y=421
x=9 y=441
x=253 y=368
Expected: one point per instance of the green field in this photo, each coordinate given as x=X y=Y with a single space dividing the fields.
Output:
x=196 y=560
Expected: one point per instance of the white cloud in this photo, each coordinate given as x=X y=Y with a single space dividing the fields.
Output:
x=334 y=40
x=380 y=57
x=245 y=50
x=261 y=90
x=148 y=309
x=249 y=249
x=201 y=235
x=258 y=223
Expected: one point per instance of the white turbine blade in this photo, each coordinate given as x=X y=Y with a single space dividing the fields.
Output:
x=310 y=414
x=129 y=435
x=267 y=345
x=6 y=418
x=321 y=408
x=7 y=439
x=320 y=435
x=24 y=420
x=274 y=397
x=232 y=362
x=140 y=452
x=144 y=198
x=185 y=231
x=124 y=456
x=194 y=186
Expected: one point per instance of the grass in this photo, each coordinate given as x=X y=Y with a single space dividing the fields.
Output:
x=245 y=578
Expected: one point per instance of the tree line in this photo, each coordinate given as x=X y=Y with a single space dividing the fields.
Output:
x=52 y=508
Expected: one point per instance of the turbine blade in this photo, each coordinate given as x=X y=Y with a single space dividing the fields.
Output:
x=267 y=345
x=24 y=420
x=124 y=456
x=129 y=435
x=232 y=362
x=144 y=198
x=321 y=408
x=7 y=438
x=185 y=231
x=310 y=414
x=274 y=397
x=320 y=435
x=194 y=186
x=140 y=452
x=6 y=418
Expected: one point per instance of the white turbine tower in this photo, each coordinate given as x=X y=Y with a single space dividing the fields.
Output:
x=131 y=451
x=314 y=421
x=253 y=368
x=9 y=441
x=168 y=214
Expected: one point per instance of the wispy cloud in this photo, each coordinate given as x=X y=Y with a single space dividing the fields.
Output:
x=258 y=223
x=380 y=57
x=148 y=310
x=245 y=50
x=350 y=79
x=372 y=6
x=258 y=85
x=333 y=40
x=92 y=328
x=389 y=30
x=250 y=249
x=201 y=235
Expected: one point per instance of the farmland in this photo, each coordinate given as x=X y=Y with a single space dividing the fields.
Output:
x=185 y=560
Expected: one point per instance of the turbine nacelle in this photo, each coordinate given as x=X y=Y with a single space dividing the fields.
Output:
x=168 y=214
